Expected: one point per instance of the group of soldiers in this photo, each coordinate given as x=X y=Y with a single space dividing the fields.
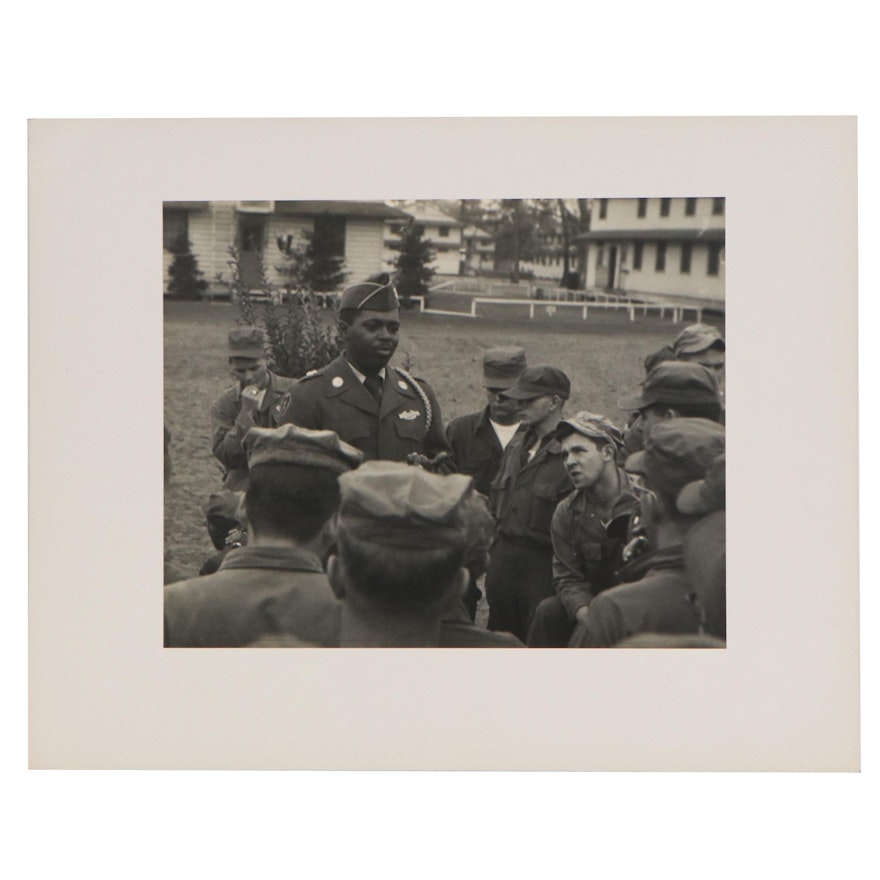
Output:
x=351 y=517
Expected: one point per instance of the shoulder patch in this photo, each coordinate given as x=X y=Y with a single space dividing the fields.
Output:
x=281 y=407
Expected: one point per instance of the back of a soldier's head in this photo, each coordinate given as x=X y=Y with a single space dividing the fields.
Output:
x=401 y=537
x=293 y=485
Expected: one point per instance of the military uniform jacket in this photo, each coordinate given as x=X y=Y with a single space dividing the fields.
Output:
x=233 y=606
x=476 y=448
x=228 y=426
x=588 y=553
x=524 y=496
x=333 y=398
x=660 y=602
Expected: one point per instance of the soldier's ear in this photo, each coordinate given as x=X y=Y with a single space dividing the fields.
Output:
x=336 y=575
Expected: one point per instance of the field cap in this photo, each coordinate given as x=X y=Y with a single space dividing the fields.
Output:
x=591 y=425
x=397 y=505
x=538 y=382
x=223 y=505
x=247 y=342
x=376 y=294
x=667 y=353
x=677 y=452
x=697 y=338
x=672 y=382
x=502 y=366
x=291 y=444
x=706 y=495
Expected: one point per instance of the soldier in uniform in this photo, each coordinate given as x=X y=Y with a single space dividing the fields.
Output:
x=657 y=595
x=399 y=563
x=478 y=439
x=672 y=389
x=531 y=481
x=251 y=401
x=381 y=410
x=702 y=344
x=589 y=530
x=293 y=491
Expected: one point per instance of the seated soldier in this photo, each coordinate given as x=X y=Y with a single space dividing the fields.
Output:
x=401 y=539
x=292 y=492
x=250 y=402
x=656 y=596
x=589 y=529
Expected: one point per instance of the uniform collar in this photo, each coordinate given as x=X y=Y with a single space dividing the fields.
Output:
x=285 y=558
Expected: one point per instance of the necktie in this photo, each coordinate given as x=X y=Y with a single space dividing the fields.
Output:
x=373 y=384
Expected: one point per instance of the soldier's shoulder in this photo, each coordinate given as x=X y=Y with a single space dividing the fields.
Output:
x=283 y=383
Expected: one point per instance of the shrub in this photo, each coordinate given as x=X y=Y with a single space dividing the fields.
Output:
x=298 y=336
x=186 y=281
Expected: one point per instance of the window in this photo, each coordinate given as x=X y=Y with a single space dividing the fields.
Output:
x=664 y=207
x=600 y=258
x=643 y=207
x=603 y=208
x=714 y=258
x=175 y=226
x=690 y=207
x=718 y=206
x=660 y=260
x=443 y=232
x=638 y=247
x=330 y=232
x=686 y=252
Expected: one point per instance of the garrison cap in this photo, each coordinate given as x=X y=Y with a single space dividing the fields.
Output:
x=591 y=425
x=397 y=505
x=540 y=382
x=675 y=382
x=706 y=495
x=697 y=338
x=247 y=342
x=677 y=452
x=291 y=444
x=376 y=294
x=502 y=366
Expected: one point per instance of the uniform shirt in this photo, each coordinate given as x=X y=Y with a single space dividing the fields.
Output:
x=476 y=448
x=455 y=632
x=587 y=552
x=524 y=495
x=659 y=602
x=231 y=607
x=333 y=398
x=229 y=425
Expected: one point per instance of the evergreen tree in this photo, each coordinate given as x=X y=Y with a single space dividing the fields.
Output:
x=313 y=265
x=186 y=279
x=413 y=263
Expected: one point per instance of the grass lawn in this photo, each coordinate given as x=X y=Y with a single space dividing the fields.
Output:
x=602 y=357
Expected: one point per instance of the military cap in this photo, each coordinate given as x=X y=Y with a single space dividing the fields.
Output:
x=706 y=495
x=667 y=353
x=538 y=382
x=376 y=294
x=697 y=338
x=502 y=366
x=247 y=342
x=291 y=444
x=591 y=425
x=223 y=505
x=677 y=452
x=397 y=505
x=675 y=382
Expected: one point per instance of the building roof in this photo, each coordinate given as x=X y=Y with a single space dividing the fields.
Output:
x=342 y=209
x=434 y=216
x=652 y=235
x=189 y=206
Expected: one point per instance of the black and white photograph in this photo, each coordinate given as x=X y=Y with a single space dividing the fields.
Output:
x=412 y=403
x=445 y=423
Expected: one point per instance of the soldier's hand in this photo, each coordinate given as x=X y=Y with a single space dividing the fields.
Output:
x=251 y=398
x=580 y=615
